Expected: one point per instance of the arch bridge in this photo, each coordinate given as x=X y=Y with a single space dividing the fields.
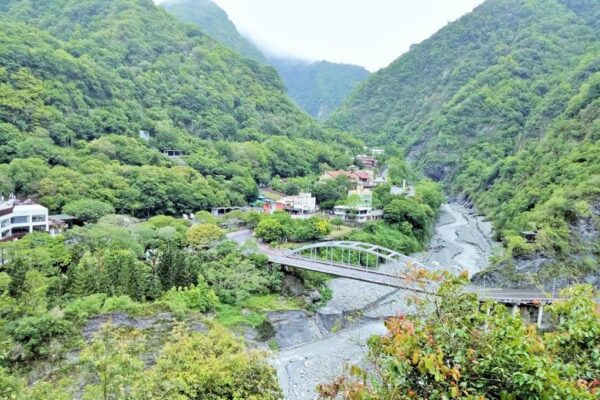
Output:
x=362 y=261
x=356 y=260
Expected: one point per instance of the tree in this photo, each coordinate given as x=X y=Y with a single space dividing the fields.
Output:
x=203 y=236
x=403 y=209
x=337 y=222
x=88 y=210
x=215 y=365
x=172 y=267
x=459 y=349
x=271 y=230
x=204 y=217
x=113 y=359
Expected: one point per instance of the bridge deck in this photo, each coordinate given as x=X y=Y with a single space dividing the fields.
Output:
x=506 y=296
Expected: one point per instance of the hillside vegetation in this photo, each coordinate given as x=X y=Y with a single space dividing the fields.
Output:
x=215 y=22
x=79 y=79
x=319 y=87
x=503 y=105
x=316 y=87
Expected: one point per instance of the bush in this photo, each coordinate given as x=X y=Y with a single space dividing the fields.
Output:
x=122 y=303
x=88 y=210
x=82 y=308
x=204 y=236
x=198 y=298
x=32 y=335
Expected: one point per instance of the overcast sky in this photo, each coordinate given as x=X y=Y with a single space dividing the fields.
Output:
x=371 y=33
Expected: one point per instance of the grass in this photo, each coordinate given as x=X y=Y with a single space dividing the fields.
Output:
x=253 y=311
x=339 y=232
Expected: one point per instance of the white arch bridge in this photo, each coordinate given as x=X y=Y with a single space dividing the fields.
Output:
x=361 y=261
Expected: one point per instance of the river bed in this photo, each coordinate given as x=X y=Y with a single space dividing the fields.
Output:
x=461 y=240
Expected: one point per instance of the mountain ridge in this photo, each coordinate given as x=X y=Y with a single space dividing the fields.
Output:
x=472 y=103
x=318 y=87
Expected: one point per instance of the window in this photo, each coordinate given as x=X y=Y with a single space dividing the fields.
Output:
x=4 y=223
x=20 y=231
x=39 y=228
x=5 y=234
x=38 y=218
x=19 y=220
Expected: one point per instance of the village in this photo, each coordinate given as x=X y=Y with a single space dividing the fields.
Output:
x=18 y=217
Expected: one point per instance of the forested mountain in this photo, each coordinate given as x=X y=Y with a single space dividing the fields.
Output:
x=79 y=79
x=215 y=22
x=317 y=87
x=503 y=105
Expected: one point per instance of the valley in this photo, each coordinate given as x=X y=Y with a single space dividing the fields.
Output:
x=187 y=213
x=460 y=238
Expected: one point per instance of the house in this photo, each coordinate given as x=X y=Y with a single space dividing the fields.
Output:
x=377 y=152
x=366 y=161
x=18 y=218
x=304 y=203
x=360 y=214
x=360 y=179
x=60 y=223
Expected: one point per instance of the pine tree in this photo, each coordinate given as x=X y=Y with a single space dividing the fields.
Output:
x=77 y=280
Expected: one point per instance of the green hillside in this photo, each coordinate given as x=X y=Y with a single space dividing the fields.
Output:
x=503 y=106
x=316 y=87
x=319 y=87
x=79 y=79
x=214 y=21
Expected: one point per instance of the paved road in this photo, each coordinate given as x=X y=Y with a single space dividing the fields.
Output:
x=240 y=236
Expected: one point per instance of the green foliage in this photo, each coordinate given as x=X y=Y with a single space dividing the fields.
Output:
x=88 y=210
x=236 y=277
x=203 y=235
x=506 y=116
x=75 y=95
x=280 y=227
x=198 y=298
x=37 y=336
x=210 y=366
x=465 y=350
x=319 y=88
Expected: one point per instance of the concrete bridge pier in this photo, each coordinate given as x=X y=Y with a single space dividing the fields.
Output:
x=540 y=316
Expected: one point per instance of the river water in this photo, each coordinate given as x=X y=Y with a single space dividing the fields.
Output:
x=461 y=240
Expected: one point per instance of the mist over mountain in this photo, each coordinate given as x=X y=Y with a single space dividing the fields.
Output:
x=317 y=87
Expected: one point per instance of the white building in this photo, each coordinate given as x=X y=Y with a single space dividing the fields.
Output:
x=360 y=215
x=303 y=203
x=20 y=218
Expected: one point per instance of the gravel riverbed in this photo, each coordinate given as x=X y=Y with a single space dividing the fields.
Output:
x=462 y=240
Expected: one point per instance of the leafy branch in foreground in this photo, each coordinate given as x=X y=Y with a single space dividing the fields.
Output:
x=467 y=350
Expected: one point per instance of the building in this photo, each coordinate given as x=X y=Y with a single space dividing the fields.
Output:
x=173 y=153
x=359 y=179
x=18 y=218
x=377 y=152
x=365 y=196
x=359 y=214
x=304 y=203
x=367 y=161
